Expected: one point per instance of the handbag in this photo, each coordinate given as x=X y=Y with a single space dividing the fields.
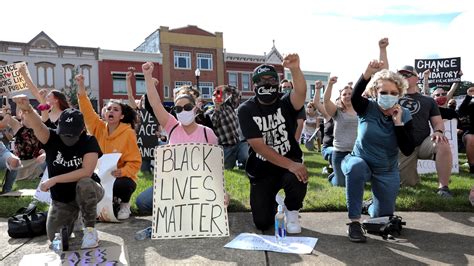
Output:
x=27 y=223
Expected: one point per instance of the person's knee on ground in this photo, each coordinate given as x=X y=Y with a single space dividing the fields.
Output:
x=144 y=201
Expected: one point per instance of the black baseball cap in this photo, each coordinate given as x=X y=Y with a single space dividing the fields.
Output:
x=264 y=70
x=70 y=123
x=408 y=69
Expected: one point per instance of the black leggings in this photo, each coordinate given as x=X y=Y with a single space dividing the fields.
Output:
x=262 y=197
x=124 y=188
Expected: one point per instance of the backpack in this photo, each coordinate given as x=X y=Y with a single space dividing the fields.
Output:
x=27 y=223
x=385 y=226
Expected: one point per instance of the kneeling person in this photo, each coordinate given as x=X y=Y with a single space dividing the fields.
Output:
x=71 y=157
x=268 y=122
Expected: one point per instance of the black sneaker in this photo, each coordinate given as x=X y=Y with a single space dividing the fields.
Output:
x=444 y=192
x=365 y=206
x=356 y=232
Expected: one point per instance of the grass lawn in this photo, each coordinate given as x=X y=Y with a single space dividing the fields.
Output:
x=321 y=196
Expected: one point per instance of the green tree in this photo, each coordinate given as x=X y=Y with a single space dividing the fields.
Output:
x=462 y=90
x=71 y=92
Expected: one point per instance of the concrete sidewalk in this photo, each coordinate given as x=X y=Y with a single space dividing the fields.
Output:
x=428 y=238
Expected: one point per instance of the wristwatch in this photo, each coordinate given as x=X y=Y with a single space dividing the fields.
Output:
x=440 y=131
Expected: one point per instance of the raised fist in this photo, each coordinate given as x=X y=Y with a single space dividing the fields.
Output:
x=332 y=80
x=383 y=43
x=318 y=84
x=147 y=68
x=291 y=61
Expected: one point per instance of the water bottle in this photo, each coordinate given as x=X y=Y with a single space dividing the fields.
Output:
x=143 y=234
x=280 y=226
x=57 y=244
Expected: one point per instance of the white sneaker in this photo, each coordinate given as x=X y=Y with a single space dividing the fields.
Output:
x=90 y=239
x=124 y=211
x=293 y=222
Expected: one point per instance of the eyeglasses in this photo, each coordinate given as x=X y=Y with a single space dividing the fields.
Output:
x=407 y=75
x=440 y=94
x=393 y=93
x=270 y=80
x=187 y=107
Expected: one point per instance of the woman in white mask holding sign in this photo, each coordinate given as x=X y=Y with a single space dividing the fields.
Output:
x=384 y=127
x=181 y=130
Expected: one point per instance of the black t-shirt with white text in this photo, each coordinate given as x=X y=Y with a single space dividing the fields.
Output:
x=276 y=124
x=62 y=159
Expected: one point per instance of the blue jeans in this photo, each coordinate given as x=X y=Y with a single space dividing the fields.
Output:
x=385 y=186
x=327 y=153
x=338 y=179
x=238 y=152
x=10 y=175
x=144 y=201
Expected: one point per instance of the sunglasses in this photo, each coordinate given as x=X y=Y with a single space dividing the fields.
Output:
x=271 y=80
x=440 y=94
x=408 y=75
x=187 y=107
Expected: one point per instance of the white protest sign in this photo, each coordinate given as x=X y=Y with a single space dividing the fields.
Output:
x=114 y=255
x=107 y=163
x=188 y=196
x=429 y=166
x=41 y=195
x=11 y=79
x=293 y=244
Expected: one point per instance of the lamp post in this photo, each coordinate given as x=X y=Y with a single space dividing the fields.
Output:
x=197 y=73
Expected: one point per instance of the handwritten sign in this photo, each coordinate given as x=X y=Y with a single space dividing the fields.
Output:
x=188 y=196
x=444 y=71
x=113 y=255
x=11 y=79
x=293 y=244
x=146 y=137
x=429 y=166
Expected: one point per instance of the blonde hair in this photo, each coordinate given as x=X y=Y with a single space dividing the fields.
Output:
x=385 y=74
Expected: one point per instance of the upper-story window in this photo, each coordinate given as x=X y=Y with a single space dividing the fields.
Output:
x=2 y=63
x=246 y=82
x=68 y=71
x=233 y=79
x=182 y=60
x=204 y=61
x=45 y=74
x=119 y=86
x=140 y=84
x=86 y=72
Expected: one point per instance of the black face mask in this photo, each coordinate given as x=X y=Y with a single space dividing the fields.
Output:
x=69 y=141
x=266 y=93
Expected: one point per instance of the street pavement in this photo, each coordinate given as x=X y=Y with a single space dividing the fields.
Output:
x=428 y=238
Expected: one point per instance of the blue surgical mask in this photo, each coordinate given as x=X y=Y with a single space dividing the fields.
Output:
x=387 y=101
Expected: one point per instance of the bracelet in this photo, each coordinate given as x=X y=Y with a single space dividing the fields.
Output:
x=439 y=130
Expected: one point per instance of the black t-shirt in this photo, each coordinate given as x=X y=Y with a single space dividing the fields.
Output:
x=328 y=137
x=276 y=124
x=63 y=159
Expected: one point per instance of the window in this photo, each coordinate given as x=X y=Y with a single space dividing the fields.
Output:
x=2 y=63
x=45 y=72
x=166 y=92
x=140 y=85
x=246 y=82
x=204 y=61
x=206 y=89
x=86 y=72
x=312 y=89
x=233 y=79
x=182 y=60
x=119 y=85
x=68 y=69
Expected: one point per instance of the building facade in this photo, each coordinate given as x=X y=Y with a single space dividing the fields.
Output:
x=185 y=50
x=113 y=66
x=311 y=77
x=239 y=68
x=51 y=65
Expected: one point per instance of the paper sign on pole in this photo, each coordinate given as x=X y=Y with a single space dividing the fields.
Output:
x=188 y=192
x=11 y=79
x=429 y=166
x=107 y=163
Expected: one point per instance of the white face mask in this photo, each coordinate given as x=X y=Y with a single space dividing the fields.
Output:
x=186 y=117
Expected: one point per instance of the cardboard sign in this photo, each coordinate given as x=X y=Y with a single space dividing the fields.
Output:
x=188 y=192
x=444 y=71
x=114 y=255
x=146 y=137
x=429 y=166
x=11 y=79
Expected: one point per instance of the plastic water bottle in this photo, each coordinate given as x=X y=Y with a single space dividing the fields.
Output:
x=280 y=226
x=57 y=244
x=143 y=234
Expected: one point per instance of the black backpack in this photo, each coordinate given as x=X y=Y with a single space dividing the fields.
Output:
x=386 y=227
